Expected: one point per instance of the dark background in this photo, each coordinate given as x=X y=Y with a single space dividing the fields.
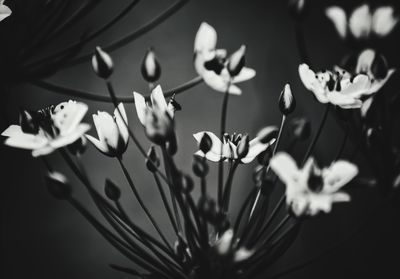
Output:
x=45 y=238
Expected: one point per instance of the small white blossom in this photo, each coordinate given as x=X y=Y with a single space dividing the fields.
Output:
x=229 y=148
x=310 y=190
x=338 y=87
x=363 y=22
x=112 y=131
x=57 y=127
x=5 y=11
x=211 y=63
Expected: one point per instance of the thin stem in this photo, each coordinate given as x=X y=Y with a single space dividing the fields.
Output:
x=228 y=186
x=277 y=228
x=245 y=204
x=278 y=140
x=107 y=99
x=137 y=33
x=317 y=134
x=141 y=203
x=224 y=112
x=301 y=43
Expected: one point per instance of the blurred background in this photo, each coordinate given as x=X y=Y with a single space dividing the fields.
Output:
x=45 y=238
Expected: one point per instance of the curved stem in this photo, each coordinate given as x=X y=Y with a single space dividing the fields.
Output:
x=228 y=186
x=301 y=43
x=107 y=99
x=137 y=33
x=317 y=134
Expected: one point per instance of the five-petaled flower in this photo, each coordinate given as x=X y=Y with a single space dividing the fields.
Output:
x=362 y=22
x=338 y=87
x=53 y=128
x=157 y=119
x=310 y=190
x=229 y=146
x=112 y=131
x=5 y=11
x=211 y=63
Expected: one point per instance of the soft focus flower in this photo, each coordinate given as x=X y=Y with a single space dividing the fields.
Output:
x=5 y=11
x=363 y=22
x=157 y=118
x=310 y=190
x=339 y=88
x=211 y=63
x=112 y=131
x=56 y=127
x=229 y=148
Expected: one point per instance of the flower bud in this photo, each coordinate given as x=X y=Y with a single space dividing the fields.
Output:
x=186 y=183
x=78 y=147
x=301 y=128
x=237 y=61
x=296 y=8
x=111 y=190
x=379 y=67
x=102 y=63
x=267 y=134
x=243 y=147
x=200 y=167
x=159 y=126
x=205 y=144
x=207 y=208
x=287 y=102
x=152 y=160
x=58 y=185
x=151 y=70
x=27 y=122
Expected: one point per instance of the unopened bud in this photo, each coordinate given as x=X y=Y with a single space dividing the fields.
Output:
x=224 y=243
x=207 y=208
x=287 y=102
x=379 y=67
x=301 y=128
x=111 y=190
x=205 y=144
x=237 y=61
x=243 y=147
x=267 y=134
x=58 y=185
x=200 y=166
x=102 y=63
x=151 y=70
x=27 y=123
x=152 y=160
x=186 y=183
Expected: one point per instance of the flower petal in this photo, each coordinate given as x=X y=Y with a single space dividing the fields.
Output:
x=70 y=138
x=337 y=175
x=68 y=115
x=216 y=144
x=206 y=38
x=140 y=104
x=338 y=16
x=245 y=74
x=4 y=12
x=383 y=21
x=285 y=168
x=308 y=77
x=360 y=21
x=25 y=141
x=158 y=100
x=344 y=101
x=100 y=145
x=122 y=122
x=218 y=83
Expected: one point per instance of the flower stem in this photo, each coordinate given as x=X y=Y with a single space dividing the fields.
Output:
x=224 y=112
x=316 y=136
x=228 y=186
x=301 y=43
x=107 y=99
x=137 y=33
x=142 y=205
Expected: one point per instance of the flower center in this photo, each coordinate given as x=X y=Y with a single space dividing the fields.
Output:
x=315 y=181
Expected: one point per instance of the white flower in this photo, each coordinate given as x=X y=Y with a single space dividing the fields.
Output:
x=157 y=118
x=229 y=148
x=211 y=63
x=311 y=190
x=57 y=127
x=112 y=131
x=5 y=11
x=363 y=22
x=337 y=87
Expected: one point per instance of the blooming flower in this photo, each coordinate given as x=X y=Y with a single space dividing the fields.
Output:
x=310 y=190
x=112 y=131
x=211 y=63
x=55 y=127
x=337 y=87
x=229 y=148
x=157 y=118
x=5 y=11
x=362 y=22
